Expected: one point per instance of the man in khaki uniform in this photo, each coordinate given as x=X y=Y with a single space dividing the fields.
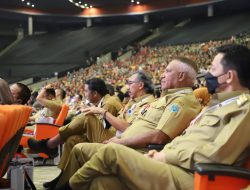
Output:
x=217 y=135
x=52 y=106
x=88 y=126
x=162 y=120
x=140 y=90
x=141 y=94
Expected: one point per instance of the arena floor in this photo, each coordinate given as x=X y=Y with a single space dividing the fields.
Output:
x=43 y=174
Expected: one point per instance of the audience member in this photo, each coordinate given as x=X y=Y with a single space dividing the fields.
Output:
x=88 y=126
x=5 y=93
x=21 y=93
x=51 y=106
x=164 y=119
x=213 y=137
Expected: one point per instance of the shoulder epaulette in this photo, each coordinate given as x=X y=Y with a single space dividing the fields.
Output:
x=242 y=100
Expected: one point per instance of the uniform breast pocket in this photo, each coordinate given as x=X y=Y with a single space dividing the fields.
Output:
x=210 y=121
x=154 y=114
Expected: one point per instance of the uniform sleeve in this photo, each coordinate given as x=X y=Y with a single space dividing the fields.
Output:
x=178 y=115
x=225 y=148
x=54 y=106
x=111 y=108
x=121 y=113
x=230 y=143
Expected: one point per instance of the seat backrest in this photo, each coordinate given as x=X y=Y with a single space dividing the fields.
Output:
x=19 y=114
x=3 y=121
x=62 y=115
x=12 y=127
x=25 y=114
x=16 y=117
x=11 y=117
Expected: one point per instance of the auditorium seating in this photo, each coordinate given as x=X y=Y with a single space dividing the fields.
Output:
x=6 y=40
x=63 y=51
x=218 y=177
x=45 y=130
x=202 y=30
x=13 y=119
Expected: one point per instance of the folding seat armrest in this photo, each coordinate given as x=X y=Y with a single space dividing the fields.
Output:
x=47 y=124
x=222 y=170
x=156 y=146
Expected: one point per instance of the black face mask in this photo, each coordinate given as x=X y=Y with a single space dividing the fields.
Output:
x=211 y=83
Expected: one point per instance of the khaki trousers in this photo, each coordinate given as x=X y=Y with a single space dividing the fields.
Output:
x=112 y=166
x=84 y=128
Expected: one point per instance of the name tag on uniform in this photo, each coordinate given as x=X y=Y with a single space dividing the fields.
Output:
x=145 y=109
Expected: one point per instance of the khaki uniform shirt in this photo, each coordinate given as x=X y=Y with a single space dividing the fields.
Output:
x=218 y=135
x=171 y=114
x=133 y=107
x=79 y=123
x=111 y=104
x=51 y=109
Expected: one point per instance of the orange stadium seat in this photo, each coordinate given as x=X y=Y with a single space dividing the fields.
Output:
x=13 y=119
x=62 y=115
x=220 y=177
x=12 y=116
x=3 y=121
x=45 y=130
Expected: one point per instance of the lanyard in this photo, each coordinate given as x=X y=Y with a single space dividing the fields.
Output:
x=221 y=104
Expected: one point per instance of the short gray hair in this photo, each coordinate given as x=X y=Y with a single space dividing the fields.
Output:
x=188 y=66
x=146 y=80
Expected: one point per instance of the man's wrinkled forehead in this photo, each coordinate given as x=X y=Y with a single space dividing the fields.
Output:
x=173 y=64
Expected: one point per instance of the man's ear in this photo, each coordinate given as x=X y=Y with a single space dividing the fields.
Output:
x=231 y=75
x=95 y=93
x=141 y=85
x=181 y=76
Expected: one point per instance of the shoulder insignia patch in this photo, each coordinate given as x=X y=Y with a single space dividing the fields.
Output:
x=174 y=108
x=242 y=100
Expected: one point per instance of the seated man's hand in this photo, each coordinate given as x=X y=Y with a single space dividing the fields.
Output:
x=109 y=140
x=159 y=156
x=115 y=140
x=92 y=110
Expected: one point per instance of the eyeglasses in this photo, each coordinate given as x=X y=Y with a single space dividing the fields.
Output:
x=129 y=82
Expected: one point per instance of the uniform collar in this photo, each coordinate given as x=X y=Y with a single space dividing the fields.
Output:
x=138 y=99
x=220 y=97
x=174 y=90
x=104 y=98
